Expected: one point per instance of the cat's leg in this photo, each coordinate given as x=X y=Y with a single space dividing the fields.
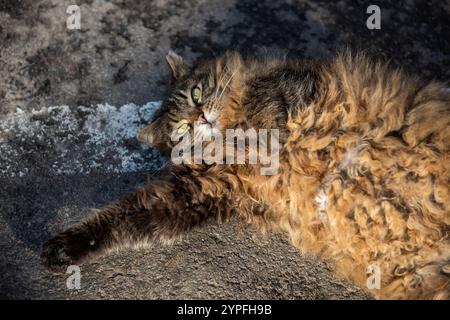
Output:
x=160 y=212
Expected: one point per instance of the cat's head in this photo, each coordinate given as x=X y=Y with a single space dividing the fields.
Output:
x=200 y=97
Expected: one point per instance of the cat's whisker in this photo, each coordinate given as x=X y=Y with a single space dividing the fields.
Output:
x=217 y=97
x=216 y=100
x=224 y=73
x=227 y=84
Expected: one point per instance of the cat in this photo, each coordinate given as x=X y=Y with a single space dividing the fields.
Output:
x=363 y=180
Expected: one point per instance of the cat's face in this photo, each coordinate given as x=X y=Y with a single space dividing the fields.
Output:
x=197 y=100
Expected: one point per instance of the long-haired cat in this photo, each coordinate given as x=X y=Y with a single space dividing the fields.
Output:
x=363 y=179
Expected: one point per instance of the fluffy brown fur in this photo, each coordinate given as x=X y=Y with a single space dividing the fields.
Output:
x=364 y=175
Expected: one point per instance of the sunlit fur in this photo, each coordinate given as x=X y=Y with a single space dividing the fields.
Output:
x=364 y=175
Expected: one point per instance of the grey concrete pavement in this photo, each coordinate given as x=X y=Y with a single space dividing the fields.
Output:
x=67 y=123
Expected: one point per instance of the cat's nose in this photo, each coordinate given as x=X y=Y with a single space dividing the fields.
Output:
x=201 y=119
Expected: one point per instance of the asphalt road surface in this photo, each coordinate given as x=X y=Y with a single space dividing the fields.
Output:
x=72 y=100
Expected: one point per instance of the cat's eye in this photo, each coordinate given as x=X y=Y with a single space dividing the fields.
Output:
x=196 y=94
x=183 y=128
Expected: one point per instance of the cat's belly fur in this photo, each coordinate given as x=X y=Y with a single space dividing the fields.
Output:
x=368 y=183
x=379 y=204
x=373 y=214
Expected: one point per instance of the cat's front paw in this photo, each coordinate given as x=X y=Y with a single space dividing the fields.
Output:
x=67 y=248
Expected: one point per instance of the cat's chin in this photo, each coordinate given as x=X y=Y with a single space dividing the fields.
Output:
x=211 y=116
x=205 y=130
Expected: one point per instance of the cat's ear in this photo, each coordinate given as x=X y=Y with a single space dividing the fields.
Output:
x=177 y=65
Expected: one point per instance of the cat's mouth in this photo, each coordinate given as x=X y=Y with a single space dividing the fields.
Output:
x=204 y=128
x=208 y=118
x=202 y=119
